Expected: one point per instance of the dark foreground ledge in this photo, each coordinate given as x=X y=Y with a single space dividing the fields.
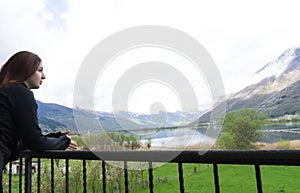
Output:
x=256 y=157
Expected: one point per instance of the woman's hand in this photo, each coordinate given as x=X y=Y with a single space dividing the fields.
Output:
x=73 y=145
x=65 y=132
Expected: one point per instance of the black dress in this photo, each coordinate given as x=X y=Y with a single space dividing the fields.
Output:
x=19 y=123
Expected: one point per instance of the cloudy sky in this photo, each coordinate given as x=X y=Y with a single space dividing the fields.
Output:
x=241 y=37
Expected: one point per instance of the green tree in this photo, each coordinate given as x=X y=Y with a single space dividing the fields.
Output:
x=226 y=141
x=240 y=129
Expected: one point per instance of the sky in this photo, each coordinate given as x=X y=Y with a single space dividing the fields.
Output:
x=240 y=36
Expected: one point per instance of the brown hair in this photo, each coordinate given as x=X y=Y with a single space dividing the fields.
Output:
x=19 y=67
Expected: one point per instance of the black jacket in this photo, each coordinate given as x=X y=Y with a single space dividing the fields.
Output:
x=19 y=123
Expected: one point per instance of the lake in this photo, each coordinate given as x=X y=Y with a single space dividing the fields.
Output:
x=180 y=137
x=281 y=131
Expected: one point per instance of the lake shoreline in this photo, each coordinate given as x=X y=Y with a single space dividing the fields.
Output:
x=280 y=145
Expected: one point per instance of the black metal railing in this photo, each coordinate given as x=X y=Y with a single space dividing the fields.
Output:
x=253 y=157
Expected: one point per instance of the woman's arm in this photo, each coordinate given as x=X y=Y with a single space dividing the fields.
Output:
x=26 y=123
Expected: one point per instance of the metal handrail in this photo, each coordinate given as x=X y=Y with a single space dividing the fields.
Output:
x=261 y=157
x=214 y=157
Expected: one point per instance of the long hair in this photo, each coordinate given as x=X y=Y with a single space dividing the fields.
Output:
x=19 y=67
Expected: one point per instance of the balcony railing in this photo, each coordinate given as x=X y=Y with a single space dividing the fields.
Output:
x=254 y=158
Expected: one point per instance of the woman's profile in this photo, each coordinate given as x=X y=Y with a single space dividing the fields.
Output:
x=18 y=110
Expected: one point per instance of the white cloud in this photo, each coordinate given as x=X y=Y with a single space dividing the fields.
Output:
x=241 y=36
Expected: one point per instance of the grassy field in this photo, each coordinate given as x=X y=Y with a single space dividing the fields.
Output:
x=233 y=179
x=198 y=178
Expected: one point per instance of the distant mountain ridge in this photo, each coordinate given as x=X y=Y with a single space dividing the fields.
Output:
x=278 y=91
x=54 y=117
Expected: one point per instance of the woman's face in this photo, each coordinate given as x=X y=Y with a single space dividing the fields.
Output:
x=35 y=80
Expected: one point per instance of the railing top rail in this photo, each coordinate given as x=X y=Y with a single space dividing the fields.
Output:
x=261 y=157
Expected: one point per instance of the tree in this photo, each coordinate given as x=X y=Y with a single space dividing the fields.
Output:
x=226 y=141
x=240 y=129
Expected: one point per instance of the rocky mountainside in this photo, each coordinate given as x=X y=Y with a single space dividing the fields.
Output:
x=277 y=92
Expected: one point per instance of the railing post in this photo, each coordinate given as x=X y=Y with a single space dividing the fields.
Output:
x=126 y=177
x=181 y=179
x=258 y=179
x=28 y=174
x=39 y=176
x=104 y=176
x=150 y=177
x=10 y=178
x=216 y=178
x=20 y=175
x=52 y=175
x=84 y=175
x=67 y=175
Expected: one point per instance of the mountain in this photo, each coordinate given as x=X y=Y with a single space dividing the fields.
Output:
x=54 y=117
x=277 y=91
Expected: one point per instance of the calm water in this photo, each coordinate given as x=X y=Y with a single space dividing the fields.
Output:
x=182 y=137
x=281 y=131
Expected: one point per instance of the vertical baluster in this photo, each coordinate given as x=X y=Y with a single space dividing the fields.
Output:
x=258 y=179
x=216 y=178
x=150 y=170
x=104 y=176
x=84 y=175
x=52 y=175
x=39 y=175
x=10 y=178
x=20 y=175
x=126 y=177
x=67 y=175
x=28 y=174
x=181 y=180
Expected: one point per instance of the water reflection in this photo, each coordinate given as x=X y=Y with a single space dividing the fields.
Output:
x=180 y=138
x=183 y=137
x=281 y=131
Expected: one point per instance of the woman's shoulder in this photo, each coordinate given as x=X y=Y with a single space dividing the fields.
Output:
x=17 y=85
x=19 y=89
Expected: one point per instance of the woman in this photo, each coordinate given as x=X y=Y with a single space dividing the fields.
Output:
x=18 y=110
